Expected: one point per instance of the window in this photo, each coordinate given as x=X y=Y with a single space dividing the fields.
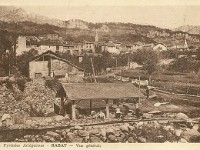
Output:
x=57 y=47
x=38 y=75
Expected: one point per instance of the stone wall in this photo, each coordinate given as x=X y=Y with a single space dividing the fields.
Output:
x=38 y=67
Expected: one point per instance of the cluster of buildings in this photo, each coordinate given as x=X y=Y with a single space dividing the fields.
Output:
x=55 y=43
x=50 y=64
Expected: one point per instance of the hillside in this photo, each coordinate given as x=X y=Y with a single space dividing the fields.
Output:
x=19 y=21
x=189 y=28
x=15 y=14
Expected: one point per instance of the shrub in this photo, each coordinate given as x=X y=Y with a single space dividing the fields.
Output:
x=21 y=83
x=52 y=83
x=2 y=72
x=9 y=84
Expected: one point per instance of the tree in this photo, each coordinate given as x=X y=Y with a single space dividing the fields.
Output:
x=86 y=64
x=149 y=59
x=185 y=64
x=6 y=51
x=198 y=54
x=23 y=60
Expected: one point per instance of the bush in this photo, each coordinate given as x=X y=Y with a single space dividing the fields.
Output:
x=2 y=72
x=52 y=83
x=9 y=84
x=21 y=84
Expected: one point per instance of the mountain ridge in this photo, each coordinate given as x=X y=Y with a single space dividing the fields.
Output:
x=192 y=29
x=18 y=20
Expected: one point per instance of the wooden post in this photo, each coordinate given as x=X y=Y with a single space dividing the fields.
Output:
x=50 y=68
x=90 y=106
x=62 y=109
x=128 y=62
x=139 y=83
x=107 y=109
x=116 y=63
x=93 y=70
x=73 y=111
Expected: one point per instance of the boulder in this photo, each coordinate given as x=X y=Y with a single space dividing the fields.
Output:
x=182 y=140
x=147 y=116
x=189 y=134
x=160 y=139
x=94 y=132
x=70 y=136
x=138 y=124
x=102 y=132
x=116 y=128
x=52 y=134
x=110 y=131
x=178 y=132
x=112 y=138
x=77 y=127
x=83 y=133
x=120 y=139
x=6 y=120
x=142 y=140
x=6 y=116
x=103 y=138
x=124 y=128
x=77 y=140
x=95 y=139
x=48 y=119
x=168 y=128
x=117 y=133
x=131 y=128
x=131 y=140
x=86 y=139
x=182 y=116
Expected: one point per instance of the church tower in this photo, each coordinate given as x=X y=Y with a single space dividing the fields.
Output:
x=96 y=36
x=185 y=44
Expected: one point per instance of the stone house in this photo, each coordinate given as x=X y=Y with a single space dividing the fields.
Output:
x=73 y=49
x=88 y=46
x=51 y=64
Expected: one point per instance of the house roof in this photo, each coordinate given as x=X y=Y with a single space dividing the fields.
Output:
x=88 y=42
x=110 y=44
x=48 y=43
x=90 y=54
x=85 y=91
x=52 y=54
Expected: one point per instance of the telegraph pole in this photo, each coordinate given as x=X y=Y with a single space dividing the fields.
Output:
x=116 y=62
x=128 y=62
x=8 y=52
x=93 y=70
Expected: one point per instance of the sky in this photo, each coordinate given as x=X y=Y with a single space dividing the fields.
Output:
x=165 y=14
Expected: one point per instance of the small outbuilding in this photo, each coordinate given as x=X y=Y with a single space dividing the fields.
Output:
x=73 y=93
x=52 y=64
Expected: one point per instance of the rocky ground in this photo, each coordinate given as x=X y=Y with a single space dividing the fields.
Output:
x=35 y=100
x=29 y=120
x=139 y=132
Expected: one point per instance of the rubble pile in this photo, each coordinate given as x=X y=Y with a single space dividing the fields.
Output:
x=11 y=100
x=39 y=97
x=139 y=132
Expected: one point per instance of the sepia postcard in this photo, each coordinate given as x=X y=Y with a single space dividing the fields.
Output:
x=88 y=74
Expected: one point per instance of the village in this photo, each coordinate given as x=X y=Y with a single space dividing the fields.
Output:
x=79 y=106
x=85 y=82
